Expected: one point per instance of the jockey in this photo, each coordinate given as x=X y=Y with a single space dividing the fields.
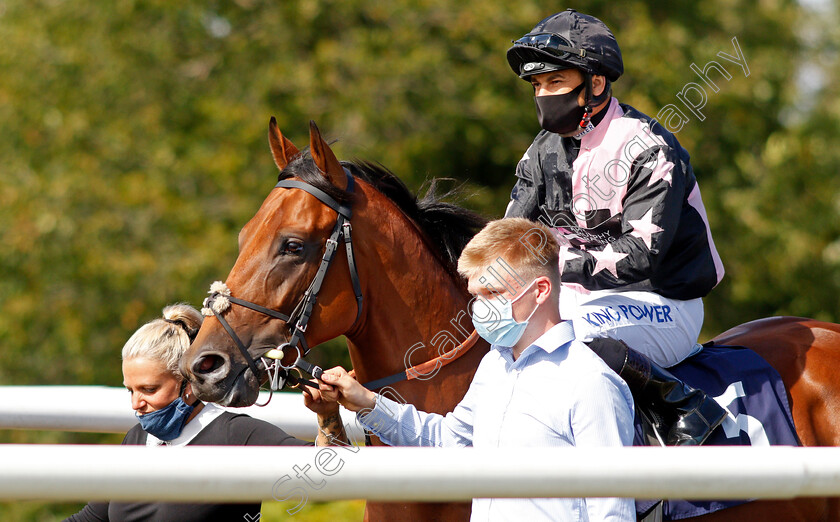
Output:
x=618 y=190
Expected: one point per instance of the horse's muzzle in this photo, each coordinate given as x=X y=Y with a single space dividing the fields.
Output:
x=211 y=366
x=215 y=378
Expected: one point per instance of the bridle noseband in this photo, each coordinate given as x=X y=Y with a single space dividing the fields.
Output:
x=221 y=298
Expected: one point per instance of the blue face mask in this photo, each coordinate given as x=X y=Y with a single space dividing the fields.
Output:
x=494 y=320
x=166 y=423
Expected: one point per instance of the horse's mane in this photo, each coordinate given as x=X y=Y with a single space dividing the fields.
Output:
x=448 y=226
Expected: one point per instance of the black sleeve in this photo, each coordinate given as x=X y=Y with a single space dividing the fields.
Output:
x=655 y=195
x=248 y=431
x=525 y=196
x=135 y=437
x=98 y=511
x=93 y=512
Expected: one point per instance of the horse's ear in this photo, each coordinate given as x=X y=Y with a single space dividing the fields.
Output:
x=282 y=149
x=324 y=157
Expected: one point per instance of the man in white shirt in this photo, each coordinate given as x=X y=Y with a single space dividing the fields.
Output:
x=537 y=386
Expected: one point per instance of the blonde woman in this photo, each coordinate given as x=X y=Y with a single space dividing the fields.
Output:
x=170 y=415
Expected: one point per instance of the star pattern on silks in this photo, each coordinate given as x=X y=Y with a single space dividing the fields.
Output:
x=662 y=172
x=566 y=255
x=644 y=228
x=607 y=259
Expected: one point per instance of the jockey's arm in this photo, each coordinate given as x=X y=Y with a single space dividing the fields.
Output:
x=650 y=216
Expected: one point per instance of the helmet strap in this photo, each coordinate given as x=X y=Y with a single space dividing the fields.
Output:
x=587 y=108
x=591 y=100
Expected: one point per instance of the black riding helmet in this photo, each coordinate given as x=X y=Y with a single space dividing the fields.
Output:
x=567 y=40
x=570 y=40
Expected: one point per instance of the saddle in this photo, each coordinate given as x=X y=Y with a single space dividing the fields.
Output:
x=759 y=414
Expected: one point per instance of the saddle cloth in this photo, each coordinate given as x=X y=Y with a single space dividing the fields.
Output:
x=759 y=414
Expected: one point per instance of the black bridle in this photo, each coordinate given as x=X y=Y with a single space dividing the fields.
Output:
x=298 y=320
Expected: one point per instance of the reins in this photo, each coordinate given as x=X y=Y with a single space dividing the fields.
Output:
x=279 y=374
x=428 y=368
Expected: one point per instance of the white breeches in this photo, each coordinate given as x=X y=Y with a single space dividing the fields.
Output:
x=663 y=329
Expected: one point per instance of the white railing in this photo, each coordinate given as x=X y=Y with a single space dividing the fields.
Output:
x=108 y=409
x=67 y=472
x=79 y=473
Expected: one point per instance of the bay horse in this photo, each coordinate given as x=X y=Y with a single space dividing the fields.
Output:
x=404 y=293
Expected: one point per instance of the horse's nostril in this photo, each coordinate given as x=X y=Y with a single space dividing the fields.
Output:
x=208 y=364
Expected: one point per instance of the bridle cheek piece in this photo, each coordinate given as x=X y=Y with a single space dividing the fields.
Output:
x=280 y=375
x=221 y=299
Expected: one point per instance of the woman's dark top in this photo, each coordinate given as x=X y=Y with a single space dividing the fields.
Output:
x=228 y=429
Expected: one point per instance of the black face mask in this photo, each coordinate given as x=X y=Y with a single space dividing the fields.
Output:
x=560 y=113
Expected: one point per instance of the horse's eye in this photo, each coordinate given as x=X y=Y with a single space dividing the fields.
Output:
x=292 y=247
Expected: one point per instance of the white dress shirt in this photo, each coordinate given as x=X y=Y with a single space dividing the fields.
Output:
x=558 y=393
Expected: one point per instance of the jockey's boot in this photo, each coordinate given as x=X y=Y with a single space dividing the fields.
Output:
x=686 y=414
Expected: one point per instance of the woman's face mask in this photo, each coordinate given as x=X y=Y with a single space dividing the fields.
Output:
x=155 y=397
x=166 y=423
x=494 y=322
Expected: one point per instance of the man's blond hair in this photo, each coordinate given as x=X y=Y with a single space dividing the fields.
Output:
x=528 y=247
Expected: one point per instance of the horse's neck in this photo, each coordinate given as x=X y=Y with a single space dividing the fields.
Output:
x=410 y=298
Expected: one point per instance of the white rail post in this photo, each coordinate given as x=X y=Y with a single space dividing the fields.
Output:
x=108 y=409
x=63 y=473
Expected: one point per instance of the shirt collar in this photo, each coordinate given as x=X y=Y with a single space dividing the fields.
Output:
x=592 y=125
x=559 y=335
x=613 y=110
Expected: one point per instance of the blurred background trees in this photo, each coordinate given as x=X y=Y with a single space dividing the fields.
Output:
x=134 y=143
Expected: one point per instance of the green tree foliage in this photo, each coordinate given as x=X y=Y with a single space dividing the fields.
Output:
x=135 y=137
x=134 y=143
x=778 y=197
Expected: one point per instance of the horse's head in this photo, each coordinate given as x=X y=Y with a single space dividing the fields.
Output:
x=280 y=251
